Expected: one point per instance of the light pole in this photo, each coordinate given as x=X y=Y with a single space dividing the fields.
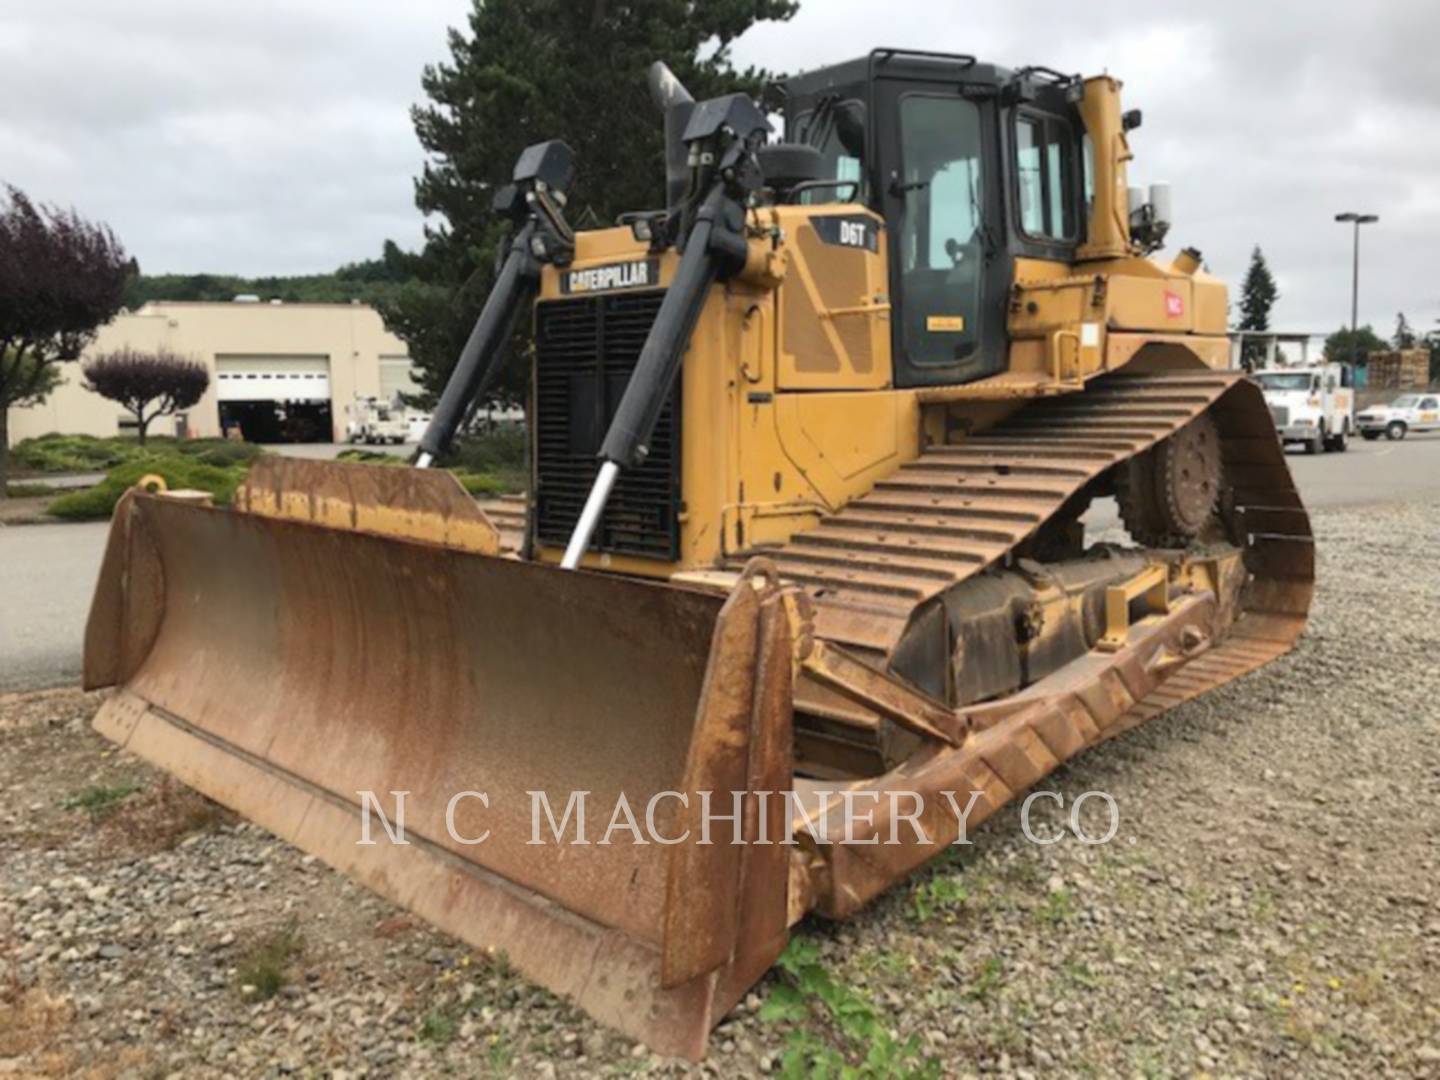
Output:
x=1358 y=220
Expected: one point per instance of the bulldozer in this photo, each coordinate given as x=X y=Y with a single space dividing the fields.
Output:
x=802 y=565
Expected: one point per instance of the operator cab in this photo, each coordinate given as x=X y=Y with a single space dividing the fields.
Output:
x=972 y=167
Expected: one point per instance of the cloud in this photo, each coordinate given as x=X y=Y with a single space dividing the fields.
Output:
x=274 y=137
x=266 y=137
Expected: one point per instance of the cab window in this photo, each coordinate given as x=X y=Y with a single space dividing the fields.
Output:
x=838 y=132
x=1045 y=171
x=1429 y=403
x=942 y=235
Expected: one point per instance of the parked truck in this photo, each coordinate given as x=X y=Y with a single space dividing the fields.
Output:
x=1312 y=405
x=374 y=420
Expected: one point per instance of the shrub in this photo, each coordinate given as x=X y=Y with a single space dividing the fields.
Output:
x=369 y=457
x=221 y=453
x=69 y=453
x=179 y=471
x=502 y=448
x=483 y=483
x=86 y=453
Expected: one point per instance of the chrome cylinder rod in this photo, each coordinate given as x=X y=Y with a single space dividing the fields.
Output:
x=590 y=516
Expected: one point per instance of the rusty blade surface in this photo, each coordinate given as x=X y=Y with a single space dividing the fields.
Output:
x=284 y=668
x=362 y=664
x=415 y=504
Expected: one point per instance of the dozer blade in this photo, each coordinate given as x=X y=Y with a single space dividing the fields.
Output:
x=284 y=667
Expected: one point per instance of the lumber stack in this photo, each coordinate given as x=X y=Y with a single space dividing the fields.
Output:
x=1402 y=369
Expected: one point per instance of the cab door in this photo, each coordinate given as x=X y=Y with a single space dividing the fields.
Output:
x=941 y=194
x=1428 y=417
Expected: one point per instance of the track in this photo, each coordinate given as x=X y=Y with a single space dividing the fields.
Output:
x=958 y=510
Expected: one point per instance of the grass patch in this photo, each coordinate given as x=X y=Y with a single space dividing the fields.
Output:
x=100 y=800
x=1058 y=907
x=498 y=1055
x=86 y=453
x=369 y=457
x=33 y=491
x=180 y=470
x=940 y=895
x=265 y=965
x=437 y=1028
x=987 y=980
x=163 y=815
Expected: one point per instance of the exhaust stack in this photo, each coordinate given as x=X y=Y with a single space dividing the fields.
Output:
x=671 y=97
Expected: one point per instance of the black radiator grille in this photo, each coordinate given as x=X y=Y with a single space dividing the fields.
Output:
x=586 y=349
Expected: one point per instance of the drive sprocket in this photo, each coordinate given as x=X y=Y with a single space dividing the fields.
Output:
x=1168 y=494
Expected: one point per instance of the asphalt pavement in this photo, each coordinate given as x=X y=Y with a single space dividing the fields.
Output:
x=47 y=572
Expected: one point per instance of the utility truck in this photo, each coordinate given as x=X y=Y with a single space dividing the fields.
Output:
x=1313 y=405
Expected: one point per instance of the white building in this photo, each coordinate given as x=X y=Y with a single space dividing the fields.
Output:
x=279 y=372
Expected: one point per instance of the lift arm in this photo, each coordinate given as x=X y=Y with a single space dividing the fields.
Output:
x=722 y=135
x=543 y=174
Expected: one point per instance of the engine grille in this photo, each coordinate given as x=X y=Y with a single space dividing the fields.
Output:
x=1281 y=415
x=586 y=349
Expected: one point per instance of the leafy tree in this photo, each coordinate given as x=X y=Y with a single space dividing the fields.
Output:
x=147 y=384
x=61 y=276
x=1343 y=345
x=1404 y=336
x=528 y=70
x=1258 y=294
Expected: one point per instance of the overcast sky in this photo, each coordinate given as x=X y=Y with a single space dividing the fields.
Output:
x=273 y=136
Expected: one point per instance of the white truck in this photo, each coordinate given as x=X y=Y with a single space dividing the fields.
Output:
x=1407 y=413
x=1312 y=405
x=374 y=420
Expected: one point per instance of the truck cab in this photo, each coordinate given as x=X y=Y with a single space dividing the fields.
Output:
x=1312 y=405
x=1407 y=413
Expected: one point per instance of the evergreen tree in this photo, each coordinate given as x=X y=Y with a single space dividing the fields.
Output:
x=1258 y=294
x=1404 y=336
x=529 y=70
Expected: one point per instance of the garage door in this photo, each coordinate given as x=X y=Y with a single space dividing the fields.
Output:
x=272 y=378
x=396 y=377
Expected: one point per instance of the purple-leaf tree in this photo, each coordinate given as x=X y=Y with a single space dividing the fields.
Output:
x=147 y=384
x=61 y=277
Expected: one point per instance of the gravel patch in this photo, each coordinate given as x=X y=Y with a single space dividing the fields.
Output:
x=1270 y=904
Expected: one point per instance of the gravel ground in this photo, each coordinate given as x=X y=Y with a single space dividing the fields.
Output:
x=1269 y=906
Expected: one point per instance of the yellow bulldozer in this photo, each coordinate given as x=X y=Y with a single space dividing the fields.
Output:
x=802 y=564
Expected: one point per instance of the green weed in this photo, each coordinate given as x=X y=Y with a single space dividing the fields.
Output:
x=266 y=964
x=856 y=1042
x=101 y=800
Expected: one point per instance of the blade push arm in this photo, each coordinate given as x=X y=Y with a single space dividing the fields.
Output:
x=722 y=135
x=533 y=202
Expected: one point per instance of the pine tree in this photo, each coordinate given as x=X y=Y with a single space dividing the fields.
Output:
x=529 y=70
x=1258 y=294
x=1404 y=336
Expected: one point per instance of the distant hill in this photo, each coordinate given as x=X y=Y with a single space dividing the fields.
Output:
x=369 y=282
